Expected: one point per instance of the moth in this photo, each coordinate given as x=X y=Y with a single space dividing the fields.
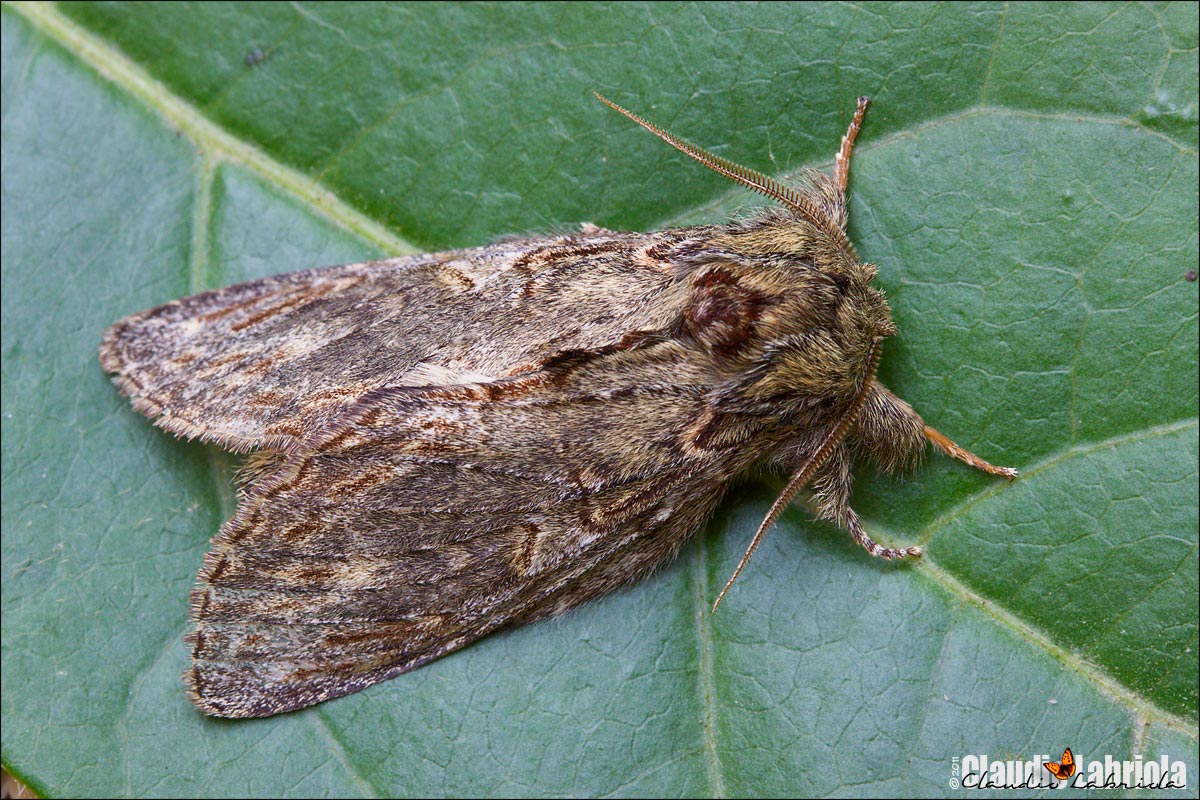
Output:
x=446 y=444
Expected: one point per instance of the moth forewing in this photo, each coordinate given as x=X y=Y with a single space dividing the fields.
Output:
x=450 y=443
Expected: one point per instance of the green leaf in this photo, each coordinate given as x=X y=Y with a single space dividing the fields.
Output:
x=1027 y=182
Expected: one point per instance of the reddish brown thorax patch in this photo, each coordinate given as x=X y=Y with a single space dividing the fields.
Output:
x=722 y=313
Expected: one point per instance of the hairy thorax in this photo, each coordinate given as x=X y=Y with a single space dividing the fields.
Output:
x=786 y=316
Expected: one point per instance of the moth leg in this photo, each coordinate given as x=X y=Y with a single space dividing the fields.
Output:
x=842 y=160
x=893 y=436
x=888 y=433
x=943 y=443
x=855 y=526
x=831 y=495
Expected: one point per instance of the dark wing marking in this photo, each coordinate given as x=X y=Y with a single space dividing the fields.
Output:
x=271 y=362
x=428 y=517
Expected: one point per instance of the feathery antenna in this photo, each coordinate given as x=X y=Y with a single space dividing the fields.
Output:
x=746 y=176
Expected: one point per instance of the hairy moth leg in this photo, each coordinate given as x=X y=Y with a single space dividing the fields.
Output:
x=831 y=495
x=831 y=444
x=892 y=435
x=943 y=443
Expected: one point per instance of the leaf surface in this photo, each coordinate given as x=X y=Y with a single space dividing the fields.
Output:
x=1027 y=182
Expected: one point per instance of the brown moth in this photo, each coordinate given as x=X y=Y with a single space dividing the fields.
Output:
x=447 y=444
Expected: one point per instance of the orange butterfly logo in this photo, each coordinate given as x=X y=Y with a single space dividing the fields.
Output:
x=1062 y=769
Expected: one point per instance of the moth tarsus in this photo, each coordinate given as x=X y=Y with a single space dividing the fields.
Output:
x=446 y=444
